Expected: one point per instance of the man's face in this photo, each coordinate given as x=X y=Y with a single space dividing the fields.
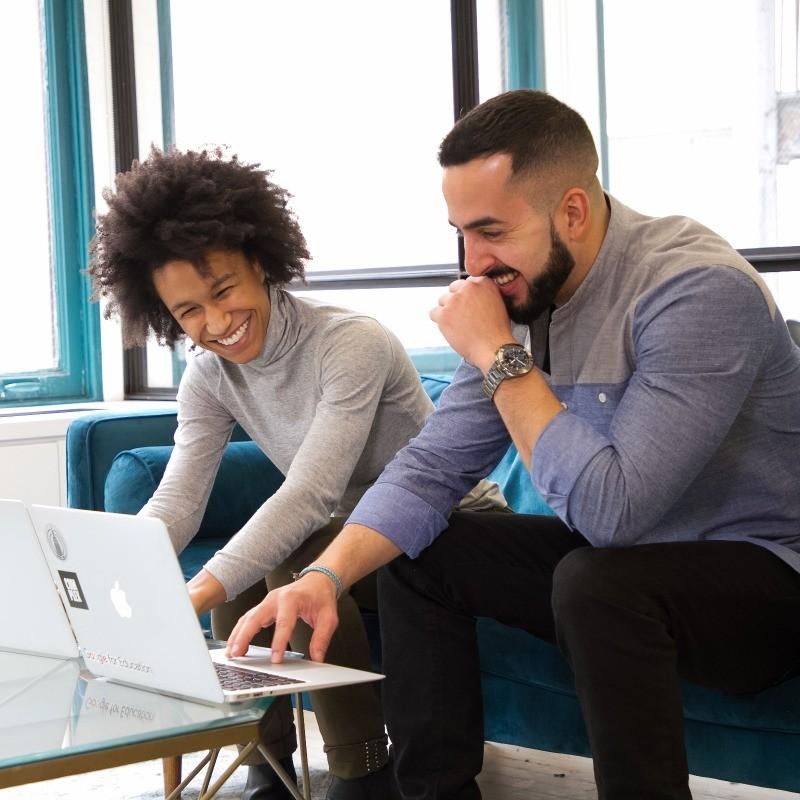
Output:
x=505 y=238
x=226 y=311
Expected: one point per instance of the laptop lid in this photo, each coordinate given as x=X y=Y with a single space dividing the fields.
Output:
x=130 y=610
x=34 y=620
x=123 y=590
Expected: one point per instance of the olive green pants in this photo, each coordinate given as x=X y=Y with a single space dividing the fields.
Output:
x=350 y=718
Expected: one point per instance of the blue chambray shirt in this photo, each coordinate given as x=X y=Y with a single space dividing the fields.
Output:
x=682 y=393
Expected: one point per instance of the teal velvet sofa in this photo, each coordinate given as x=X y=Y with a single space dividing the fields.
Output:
x=115 y=461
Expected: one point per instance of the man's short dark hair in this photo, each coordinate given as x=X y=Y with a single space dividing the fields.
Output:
x=178 y=206
x=539 y=132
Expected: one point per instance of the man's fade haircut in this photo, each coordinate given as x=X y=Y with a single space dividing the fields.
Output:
x=544 y=137
x=178 y=206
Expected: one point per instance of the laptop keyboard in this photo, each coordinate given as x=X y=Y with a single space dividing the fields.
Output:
x=234 y=678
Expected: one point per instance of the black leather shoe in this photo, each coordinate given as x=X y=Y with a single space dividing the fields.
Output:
x=263 y=782
x=380 y=785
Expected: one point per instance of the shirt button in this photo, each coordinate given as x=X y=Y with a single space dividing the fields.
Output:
x=563 y=405
x=602 y=397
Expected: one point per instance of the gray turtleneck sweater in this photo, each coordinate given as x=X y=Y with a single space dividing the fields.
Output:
x=330 y=400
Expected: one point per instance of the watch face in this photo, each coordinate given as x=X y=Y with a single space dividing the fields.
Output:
x=515 y=360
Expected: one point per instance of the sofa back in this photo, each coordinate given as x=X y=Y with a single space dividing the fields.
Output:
x=94 y=441
x=246 y=477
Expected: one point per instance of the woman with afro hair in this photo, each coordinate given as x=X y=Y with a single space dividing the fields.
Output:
x=200 y=245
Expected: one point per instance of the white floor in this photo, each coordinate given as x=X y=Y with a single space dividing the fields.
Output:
x=510 y=773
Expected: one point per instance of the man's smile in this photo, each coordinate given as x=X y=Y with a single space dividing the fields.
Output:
x=502 y=276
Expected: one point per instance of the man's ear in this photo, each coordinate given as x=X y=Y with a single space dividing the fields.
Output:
x=575 y=210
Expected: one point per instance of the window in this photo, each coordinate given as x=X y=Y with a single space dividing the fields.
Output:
x=49 y=328
x=696 y=107
x=347 y=102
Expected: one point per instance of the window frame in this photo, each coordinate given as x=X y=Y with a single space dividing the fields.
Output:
x=77 y=376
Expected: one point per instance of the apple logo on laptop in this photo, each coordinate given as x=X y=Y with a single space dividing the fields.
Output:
x=120 y=602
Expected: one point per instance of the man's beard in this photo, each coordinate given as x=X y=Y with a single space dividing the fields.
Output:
x=543 y=289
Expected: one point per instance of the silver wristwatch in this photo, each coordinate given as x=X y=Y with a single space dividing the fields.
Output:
x=510 y=361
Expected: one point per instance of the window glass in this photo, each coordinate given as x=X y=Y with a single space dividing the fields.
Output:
x=346 y=101
x=491 y=52
x=785 y=288
x=703 y=110
x=26 y=303
x=697 y=134
x=404 y=310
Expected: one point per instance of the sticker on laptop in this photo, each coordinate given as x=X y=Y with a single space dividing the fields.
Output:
x=57 y=543
x=72 y=587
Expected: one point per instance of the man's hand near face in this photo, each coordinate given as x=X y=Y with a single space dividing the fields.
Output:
x=473 y=319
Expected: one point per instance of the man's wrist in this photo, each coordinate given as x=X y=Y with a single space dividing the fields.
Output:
x=321 y=569
x=489 y=353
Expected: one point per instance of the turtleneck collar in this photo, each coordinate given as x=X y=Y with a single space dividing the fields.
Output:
x=283 y=329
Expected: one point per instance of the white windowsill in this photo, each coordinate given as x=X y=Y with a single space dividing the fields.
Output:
x=28 y=423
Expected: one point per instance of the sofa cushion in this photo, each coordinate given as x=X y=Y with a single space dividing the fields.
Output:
x=246 y=478
x=513 y=478
x=513 y=655
x=434 y=384
x=194 y=558
x=520 y=657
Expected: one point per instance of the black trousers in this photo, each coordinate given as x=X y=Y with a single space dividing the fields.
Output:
x=631 y=622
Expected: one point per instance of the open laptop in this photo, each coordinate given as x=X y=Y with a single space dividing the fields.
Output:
x=34 y=620
x=127 y=602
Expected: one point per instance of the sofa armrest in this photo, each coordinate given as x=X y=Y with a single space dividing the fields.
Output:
x=94 y=440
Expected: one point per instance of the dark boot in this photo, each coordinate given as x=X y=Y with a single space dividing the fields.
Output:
x=380 y=785
x=263 y=782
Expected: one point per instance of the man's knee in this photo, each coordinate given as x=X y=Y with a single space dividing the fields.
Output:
x=393 y=578
x=589 y=580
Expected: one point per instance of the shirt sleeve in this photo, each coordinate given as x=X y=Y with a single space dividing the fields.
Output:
x=460 y=444
x=354 y=362
x=699 y=340
x=204 y=428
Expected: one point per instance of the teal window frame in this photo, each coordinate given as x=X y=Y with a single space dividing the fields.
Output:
x=77 y=376
x=526 y=63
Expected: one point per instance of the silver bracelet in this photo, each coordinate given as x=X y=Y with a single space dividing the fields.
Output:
x=325 y=571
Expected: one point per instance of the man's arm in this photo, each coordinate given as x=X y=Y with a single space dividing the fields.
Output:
x=354 y=553
x=402 y=513
x=699 y=339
